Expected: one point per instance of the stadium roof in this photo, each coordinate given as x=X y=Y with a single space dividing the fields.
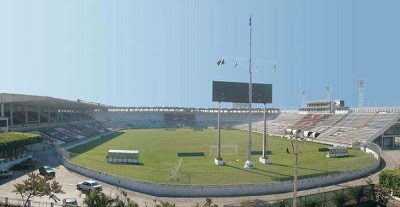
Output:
x=46 y=101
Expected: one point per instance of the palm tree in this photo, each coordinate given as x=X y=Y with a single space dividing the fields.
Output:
x=96 y=199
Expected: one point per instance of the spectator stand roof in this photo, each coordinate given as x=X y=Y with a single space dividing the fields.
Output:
x=20 y=100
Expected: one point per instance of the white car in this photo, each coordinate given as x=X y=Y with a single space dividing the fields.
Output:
x=89 y=185
x=70 y=202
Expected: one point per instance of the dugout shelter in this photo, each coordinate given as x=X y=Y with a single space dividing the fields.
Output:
x=123 y=156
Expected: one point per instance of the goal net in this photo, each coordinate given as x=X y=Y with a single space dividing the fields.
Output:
x=231 y=149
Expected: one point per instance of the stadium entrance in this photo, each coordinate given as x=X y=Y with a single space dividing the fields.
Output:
x=390 y=139
x=3 y=124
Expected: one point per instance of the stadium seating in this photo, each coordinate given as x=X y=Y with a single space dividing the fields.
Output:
x=71 y=132
x=339 y=129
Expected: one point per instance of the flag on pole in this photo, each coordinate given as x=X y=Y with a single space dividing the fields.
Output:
x=250 y=21
x=221 y=62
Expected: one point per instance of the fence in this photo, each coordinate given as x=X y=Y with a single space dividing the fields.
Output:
x=354 y=196
x=17 y=202
x=375 y=109
x=9 y=162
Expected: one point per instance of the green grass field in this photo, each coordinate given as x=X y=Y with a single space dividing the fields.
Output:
x=158 y=154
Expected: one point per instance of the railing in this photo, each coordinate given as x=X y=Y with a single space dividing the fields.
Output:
x=7 y=163
x=373 y=148
x=375 y=109
x=6 y=201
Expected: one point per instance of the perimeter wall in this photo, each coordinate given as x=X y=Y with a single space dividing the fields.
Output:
x=169 y=190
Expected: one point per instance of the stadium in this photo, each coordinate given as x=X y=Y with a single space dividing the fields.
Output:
x=199 y=103
x=83 y=132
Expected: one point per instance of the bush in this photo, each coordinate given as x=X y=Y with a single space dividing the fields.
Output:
x=390 y=179
x=17 y=140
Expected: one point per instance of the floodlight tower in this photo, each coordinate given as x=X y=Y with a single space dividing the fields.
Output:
x=303 y=98
x=360 y=87
x=328 y=90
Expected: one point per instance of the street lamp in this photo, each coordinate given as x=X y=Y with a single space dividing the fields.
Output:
x=294 y=135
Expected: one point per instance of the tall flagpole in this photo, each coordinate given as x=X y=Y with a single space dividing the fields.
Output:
x=249 y=164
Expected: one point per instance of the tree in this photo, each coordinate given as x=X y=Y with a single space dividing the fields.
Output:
x=38 y=186
x=382 y=193
x=99 y=199
x=123 y=200
x=340 y=199
x=357 y=193
x=209 y=203
x=96 y=199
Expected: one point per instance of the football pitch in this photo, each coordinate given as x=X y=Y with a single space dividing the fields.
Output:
x=158 y=149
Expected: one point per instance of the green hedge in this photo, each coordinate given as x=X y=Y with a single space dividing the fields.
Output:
x=391 y=180
x=14 y=140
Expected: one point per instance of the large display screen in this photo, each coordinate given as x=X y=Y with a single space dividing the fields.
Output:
x=236 y=92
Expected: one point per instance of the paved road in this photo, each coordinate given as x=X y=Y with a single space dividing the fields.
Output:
x=69 y=179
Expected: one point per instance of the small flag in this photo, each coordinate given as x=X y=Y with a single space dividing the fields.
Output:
x=221 y=62
x=236 y=64
x=275 y=68
x=250 y=21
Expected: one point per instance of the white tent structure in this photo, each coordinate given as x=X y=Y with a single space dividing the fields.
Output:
x=123 y=156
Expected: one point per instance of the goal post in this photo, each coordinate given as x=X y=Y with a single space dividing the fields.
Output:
x=231 y=149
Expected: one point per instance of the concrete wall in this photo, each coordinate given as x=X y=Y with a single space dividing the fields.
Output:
x=168 y=190
x=84 y=141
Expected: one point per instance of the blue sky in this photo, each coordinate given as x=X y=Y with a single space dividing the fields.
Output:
x=164 y=53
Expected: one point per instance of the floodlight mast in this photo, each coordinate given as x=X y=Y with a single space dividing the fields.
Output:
x=328 y=90
x=303 y=98
x=360 y=86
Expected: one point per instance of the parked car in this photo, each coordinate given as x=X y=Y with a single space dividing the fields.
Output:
x=70 y=202
x=29 y=163
x=5 y=174
x=46 y=170
x=89 y=185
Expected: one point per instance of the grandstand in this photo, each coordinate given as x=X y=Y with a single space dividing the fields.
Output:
x=57 y=120
x=64 y=121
